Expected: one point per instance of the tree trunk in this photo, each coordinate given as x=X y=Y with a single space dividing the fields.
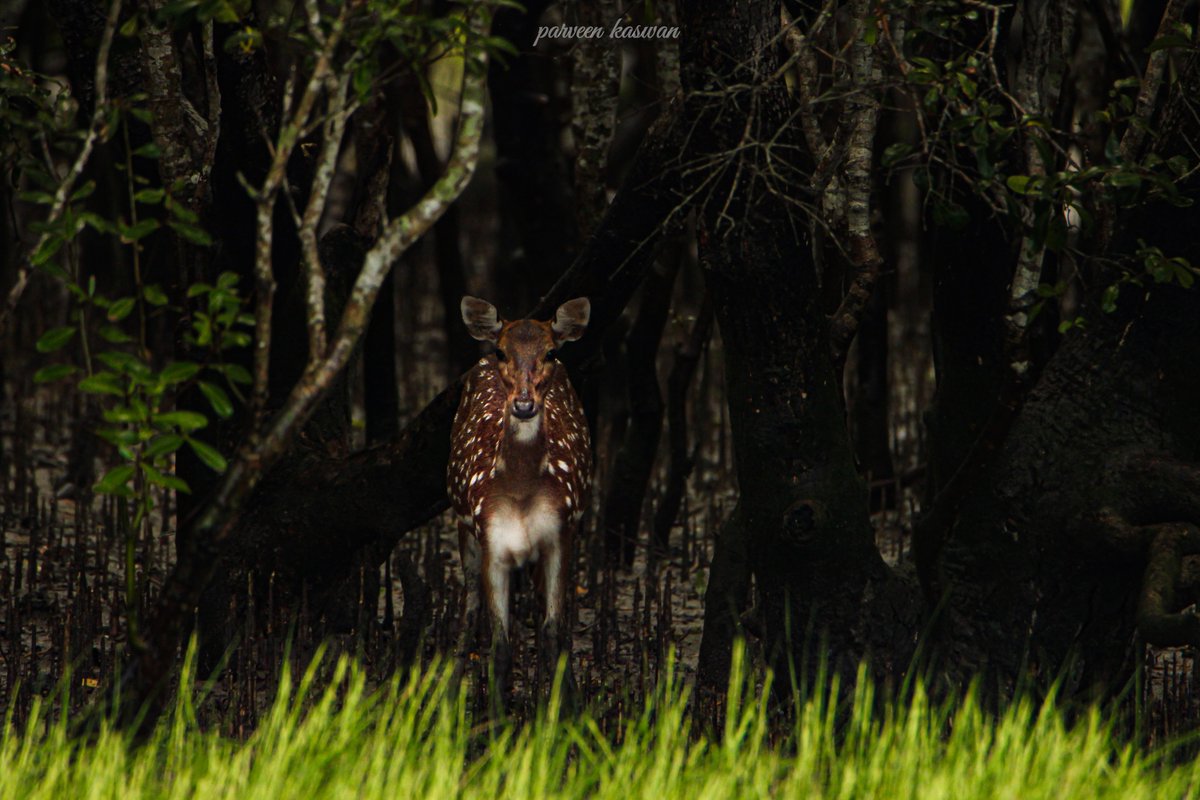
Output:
x=1036 y=588
x=801 y=520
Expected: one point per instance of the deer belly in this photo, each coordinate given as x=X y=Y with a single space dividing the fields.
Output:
x=516 y=534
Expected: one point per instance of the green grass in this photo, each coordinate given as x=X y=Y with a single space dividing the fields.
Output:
x=412 y=739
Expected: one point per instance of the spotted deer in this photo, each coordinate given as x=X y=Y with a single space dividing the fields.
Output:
x=519 y=472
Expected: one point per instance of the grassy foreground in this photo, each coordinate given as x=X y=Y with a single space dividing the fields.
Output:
x=412 y=739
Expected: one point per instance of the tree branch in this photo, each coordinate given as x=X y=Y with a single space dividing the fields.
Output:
x=1135 y=135
x=295 y=122
x=142 y=684
x=865 y=259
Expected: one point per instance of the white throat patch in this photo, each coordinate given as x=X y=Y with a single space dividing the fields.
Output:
x=526 y=430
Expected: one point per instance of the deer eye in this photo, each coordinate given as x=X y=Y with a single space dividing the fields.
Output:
x=501 y=355
x=552 y=355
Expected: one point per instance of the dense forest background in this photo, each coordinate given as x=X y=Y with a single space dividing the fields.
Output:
x=894 y=354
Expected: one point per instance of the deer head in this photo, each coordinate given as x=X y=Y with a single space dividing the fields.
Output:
x=526 y=349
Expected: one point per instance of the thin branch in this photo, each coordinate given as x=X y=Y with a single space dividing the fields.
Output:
x=264 y=278
x=95 y=127
x=314 y=274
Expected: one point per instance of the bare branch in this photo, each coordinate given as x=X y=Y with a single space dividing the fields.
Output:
x=289 y=135
x=145 y=678
x=314 y=274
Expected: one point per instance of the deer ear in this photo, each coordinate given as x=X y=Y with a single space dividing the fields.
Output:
x=481 y=318
x=571 y=319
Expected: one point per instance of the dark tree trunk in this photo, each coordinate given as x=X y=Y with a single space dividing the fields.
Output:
x=1036 y=587
x=801 y=524
x=869 y=409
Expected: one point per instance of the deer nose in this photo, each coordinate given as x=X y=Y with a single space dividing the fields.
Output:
x=523 y=409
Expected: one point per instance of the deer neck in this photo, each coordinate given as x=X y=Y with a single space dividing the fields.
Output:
x=524 y=447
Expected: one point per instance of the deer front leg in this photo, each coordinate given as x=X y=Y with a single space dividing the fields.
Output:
x=496 y=574
x=555 y=636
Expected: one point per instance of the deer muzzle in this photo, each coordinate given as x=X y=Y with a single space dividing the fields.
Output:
x=524 y=408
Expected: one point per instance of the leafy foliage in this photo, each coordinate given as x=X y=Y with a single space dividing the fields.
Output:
x=978 y=139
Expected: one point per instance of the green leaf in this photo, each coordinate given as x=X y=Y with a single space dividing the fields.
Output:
x=139 y=230
x=182 y=212
x=193 y=234
x=894 y=153
x=97 y=222
x=237 y=373
x=197 y=289
x=102 y=383
x=154 y=295
x=1019 y=183
x=55 y=338
x=235 y=339
x=83 y=191
x=166 y=480
x=227 y=280
x=1183 y=274
x=46 y=251
x=54 y=372
x=1168 y=41
x=184 y=420
x=217 y=399
x=41 y=198
x=124 y=362
x=114 y=335
x=1123 y=179
x=148 y=150
x=150 y=196
x=116 y=481
x=1108 y=302
x=208 y=455
x=120 y=415
x=120 y=309
x=163 y=445
x=179 y=372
